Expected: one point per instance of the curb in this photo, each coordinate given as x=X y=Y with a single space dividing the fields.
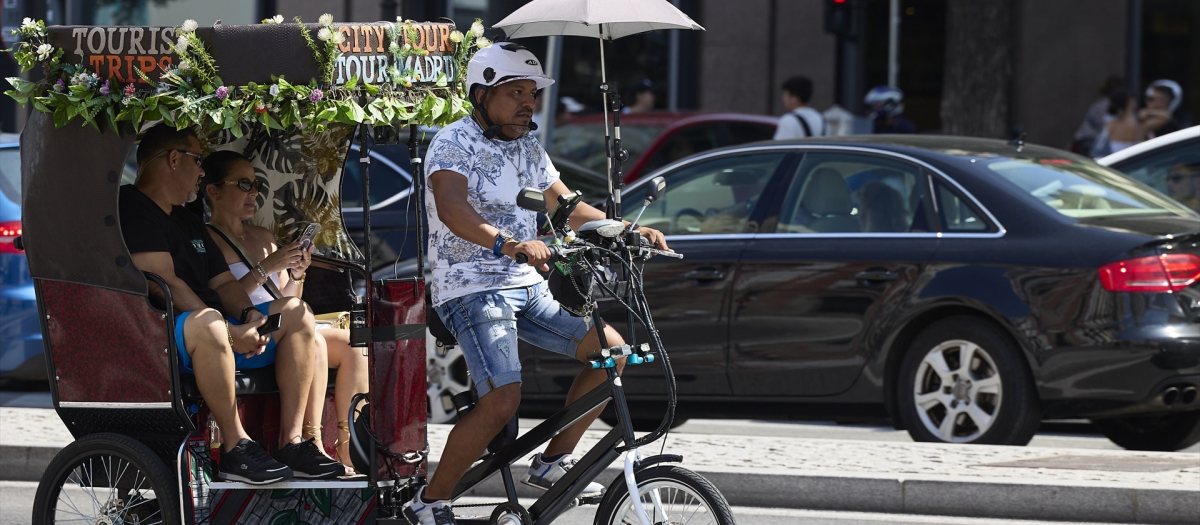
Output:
x=895 y=494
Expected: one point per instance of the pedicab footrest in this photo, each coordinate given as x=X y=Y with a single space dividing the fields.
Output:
x=248 y=382
x=293 y=484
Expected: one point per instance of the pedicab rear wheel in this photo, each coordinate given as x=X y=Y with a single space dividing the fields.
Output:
x=107 y=479
x=686 y=499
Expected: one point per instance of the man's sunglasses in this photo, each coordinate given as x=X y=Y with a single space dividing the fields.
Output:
x=198 y=158
x=246 y=184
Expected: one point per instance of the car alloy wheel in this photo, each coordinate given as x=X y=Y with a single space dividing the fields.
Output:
x=964 y=380
x=958 y=391
x=446 y=376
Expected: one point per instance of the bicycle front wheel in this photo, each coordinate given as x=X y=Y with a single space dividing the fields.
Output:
x=669 y=495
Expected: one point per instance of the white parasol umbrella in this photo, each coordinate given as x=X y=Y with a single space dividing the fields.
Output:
x=602 y=19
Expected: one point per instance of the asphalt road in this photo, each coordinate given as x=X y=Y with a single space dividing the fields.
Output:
x=16 y=507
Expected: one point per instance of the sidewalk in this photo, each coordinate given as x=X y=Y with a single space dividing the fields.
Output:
x=919 y=478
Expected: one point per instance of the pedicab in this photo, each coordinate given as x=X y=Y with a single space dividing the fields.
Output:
x=291 y=97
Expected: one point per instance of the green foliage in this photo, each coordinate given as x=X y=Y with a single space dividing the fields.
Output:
x=195 y=95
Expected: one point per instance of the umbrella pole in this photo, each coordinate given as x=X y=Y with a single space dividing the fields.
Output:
x=612 y=141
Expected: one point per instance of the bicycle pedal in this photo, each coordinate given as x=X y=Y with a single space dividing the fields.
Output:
x=591 y=499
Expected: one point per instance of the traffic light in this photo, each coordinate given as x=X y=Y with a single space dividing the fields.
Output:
x=837 y=17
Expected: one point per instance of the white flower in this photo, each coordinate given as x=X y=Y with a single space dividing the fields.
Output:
x=477 y=29
x=324 y=34
x=338 y=38
x=181 y=44
x=326 y=20
x=189 y=26
x=184 y=65
x=278 y=19
x=456 y=36
x=44 y=51
x=274 y=91
x=394 y=48
x=482 y=42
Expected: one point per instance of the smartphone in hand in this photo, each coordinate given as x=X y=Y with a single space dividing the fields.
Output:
x=273 y=323
x=308 y=234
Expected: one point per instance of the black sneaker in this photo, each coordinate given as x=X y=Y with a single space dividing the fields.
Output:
x=307 y=461
x=248 y=462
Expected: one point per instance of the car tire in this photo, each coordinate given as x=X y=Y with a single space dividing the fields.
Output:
x=990 y=398
x=446 y=375
x=1163 y=433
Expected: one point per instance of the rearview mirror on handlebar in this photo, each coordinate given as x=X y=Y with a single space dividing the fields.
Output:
x=657 y=186
x=532 y=199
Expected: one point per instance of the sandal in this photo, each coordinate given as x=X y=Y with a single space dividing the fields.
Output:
x=344 y=426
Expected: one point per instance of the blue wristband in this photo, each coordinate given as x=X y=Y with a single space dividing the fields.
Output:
x=498 y=245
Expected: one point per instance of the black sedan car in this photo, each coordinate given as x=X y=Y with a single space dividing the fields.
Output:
x=964 y=289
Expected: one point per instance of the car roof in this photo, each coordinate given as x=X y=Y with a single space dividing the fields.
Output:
x=1150 y=145
x=937 y=146
x=674 y=118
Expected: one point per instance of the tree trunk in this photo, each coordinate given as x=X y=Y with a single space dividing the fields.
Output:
x=979 y=65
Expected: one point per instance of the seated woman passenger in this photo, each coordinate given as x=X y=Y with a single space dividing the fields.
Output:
x=231 y=190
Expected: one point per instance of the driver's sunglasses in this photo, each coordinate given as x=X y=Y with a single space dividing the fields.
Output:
x=246 y=184
x=198 y=158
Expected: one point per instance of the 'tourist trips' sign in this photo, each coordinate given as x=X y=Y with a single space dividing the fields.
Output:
x=251 y=53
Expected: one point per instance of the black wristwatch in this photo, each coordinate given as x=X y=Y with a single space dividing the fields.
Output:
x=502 y=237
x=245 y=312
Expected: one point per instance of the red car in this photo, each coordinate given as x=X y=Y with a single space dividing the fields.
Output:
x=657 y=138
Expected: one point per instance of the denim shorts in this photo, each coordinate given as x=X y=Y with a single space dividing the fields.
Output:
x=240 y=361
x=488 y=324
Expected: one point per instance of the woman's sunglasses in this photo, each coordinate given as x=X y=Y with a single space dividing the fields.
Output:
x=246 y=184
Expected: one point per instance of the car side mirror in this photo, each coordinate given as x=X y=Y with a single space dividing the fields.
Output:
x=658 y=185
x=533 y=200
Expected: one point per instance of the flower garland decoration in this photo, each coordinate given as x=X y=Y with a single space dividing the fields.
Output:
x=193 y=94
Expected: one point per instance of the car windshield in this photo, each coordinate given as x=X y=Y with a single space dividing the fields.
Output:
x=583 y=144
x=1083 y=189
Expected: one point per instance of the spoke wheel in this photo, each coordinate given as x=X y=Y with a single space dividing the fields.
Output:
x=670 y=495
x=964 y=381
x=107 y=479
x=446 y=375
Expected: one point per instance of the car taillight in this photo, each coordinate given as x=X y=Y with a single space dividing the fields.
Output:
x=1164 y=273
x=9 y=231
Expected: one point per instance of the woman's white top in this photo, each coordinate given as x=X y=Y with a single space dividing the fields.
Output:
x=260 y=294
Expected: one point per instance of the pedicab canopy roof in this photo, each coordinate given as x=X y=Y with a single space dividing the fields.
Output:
x=287 y=95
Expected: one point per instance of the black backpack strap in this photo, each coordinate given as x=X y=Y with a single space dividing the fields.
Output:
x=804 y=124
x=237 y=248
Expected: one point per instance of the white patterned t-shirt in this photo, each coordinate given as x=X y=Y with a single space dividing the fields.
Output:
x=495 y=170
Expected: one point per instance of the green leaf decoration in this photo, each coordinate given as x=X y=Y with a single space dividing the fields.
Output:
x=283 y=493
x=285 y=517
x=323 y=500
x=201 y=98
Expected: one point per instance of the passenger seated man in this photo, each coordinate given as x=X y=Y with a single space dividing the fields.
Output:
x=216 y=326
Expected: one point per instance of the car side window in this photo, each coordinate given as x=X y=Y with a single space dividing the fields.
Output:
x=386 y=181
x=1174 y=171
x=851 y=193
x=715 y=196
x=956 y=214
x=684 y=143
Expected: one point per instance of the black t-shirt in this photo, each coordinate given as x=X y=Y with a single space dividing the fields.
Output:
x=147 y=229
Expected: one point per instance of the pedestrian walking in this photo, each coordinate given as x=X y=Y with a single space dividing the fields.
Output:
x=800 y=121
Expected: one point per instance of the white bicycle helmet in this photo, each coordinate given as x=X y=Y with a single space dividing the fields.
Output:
x=891 y=98
x=1174 y=87
x=504 y=62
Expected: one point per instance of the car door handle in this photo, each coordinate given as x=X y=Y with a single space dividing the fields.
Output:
x=704 y=274
x=876 y=275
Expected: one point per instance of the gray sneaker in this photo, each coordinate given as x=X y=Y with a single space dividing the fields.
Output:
x=417 y=512
x=543 y=475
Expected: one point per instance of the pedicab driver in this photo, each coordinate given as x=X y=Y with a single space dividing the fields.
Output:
x=216 y=332
x=476 y=167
